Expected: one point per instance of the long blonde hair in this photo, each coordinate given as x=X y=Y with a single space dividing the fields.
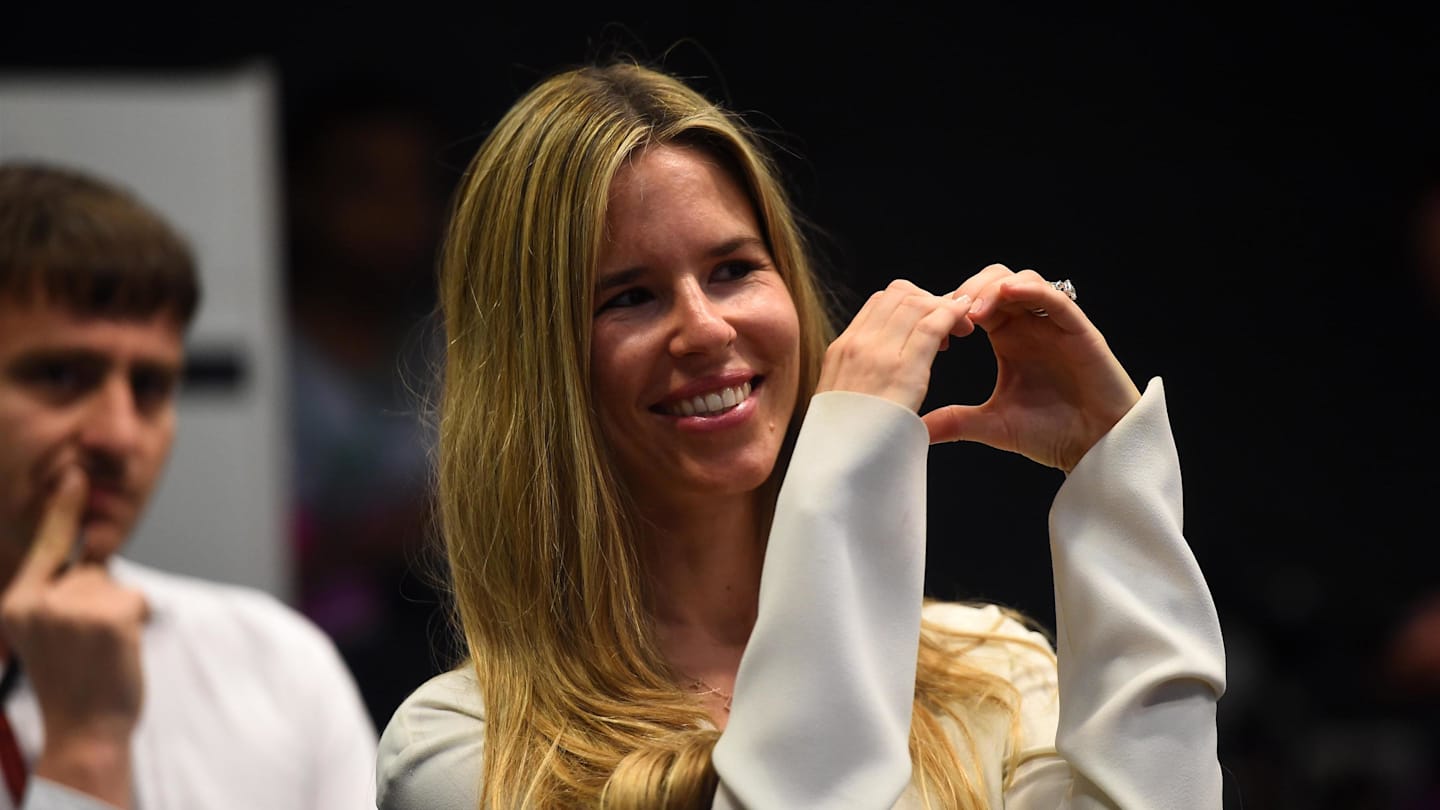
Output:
x=581 y=707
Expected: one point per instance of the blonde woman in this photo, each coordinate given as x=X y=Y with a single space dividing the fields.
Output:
x=666 y=605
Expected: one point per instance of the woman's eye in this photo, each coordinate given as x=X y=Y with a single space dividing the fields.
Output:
x=730 y=271
x=629 y=298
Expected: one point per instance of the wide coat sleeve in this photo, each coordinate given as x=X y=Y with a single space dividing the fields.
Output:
x=823 y=699
x=821 y=713
x=1141 y=661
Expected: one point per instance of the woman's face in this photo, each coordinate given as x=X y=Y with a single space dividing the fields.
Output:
x=695 y=349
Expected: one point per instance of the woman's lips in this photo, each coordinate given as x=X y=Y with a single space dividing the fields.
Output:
x=707 y=400
x=711 y=403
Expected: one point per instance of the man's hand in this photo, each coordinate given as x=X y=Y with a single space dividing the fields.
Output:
x=78 y=635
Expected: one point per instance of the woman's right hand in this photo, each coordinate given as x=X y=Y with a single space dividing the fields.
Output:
x=889 y=347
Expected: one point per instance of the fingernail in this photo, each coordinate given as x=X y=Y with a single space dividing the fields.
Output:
x=977 y=306
x=963 y=300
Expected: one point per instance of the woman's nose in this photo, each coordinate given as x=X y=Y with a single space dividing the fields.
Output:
x=700 y=324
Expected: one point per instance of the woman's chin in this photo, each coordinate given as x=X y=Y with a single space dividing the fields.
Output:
x=709 y=482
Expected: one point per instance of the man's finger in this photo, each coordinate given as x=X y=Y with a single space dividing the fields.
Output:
x=56 y=535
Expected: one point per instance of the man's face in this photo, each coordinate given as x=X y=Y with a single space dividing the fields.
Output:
x=89 y=392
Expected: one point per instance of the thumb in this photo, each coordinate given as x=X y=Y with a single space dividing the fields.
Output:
x=954 y=423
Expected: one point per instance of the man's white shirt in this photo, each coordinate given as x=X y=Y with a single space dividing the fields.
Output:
x=247 y=704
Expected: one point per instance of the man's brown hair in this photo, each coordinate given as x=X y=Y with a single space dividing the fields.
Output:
x=70 y=239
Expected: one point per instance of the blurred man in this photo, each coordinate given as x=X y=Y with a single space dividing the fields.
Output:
x=125 y=686
x=366 y=196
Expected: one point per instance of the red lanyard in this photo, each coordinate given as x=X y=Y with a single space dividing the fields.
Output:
x=11 y=760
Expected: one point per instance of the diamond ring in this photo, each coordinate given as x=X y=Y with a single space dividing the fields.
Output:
x=1064 y=286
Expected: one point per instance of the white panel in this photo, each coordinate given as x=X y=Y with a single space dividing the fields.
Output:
x=202 y=149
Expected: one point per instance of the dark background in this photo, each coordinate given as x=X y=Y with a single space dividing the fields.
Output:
x=1234 y=194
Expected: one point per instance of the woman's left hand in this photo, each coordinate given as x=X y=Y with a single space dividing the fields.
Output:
x=1058 y=388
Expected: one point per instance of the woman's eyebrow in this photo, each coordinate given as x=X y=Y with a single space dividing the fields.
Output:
x=618 y=279
x=621 y=278
x=731 y=245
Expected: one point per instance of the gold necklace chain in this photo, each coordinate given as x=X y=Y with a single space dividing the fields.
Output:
x=701 y=688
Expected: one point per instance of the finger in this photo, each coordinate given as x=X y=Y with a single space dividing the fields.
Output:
x=892 y=358
x=941 y=318
x=882 y=305
x=1024 y=294
x=987 y=276
x=893 y=323
x=986 y=296
x=926 y=337
x=971 y=423
x=891 y=300
x=873 y=323
x=910 y=303
x=866 y=311
x=993 y=295
x=56 y=535
x=963 y=324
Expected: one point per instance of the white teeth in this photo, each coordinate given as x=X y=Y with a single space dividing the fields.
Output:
x=713 y=402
